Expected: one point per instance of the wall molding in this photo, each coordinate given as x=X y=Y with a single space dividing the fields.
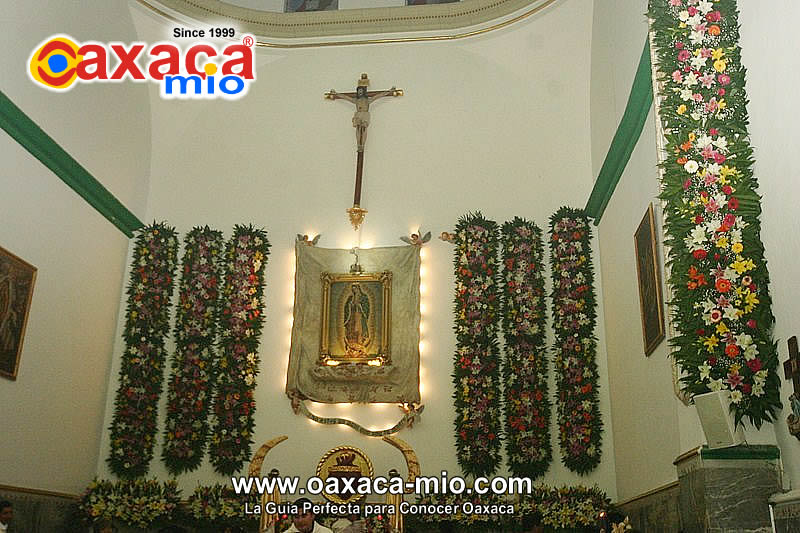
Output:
x=268 y=26
x=38 y=492
x=649 y=493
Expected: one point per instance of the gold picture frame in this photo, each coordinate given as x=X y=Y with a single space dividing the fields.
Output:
x=651 y=300
x=17 y=278
x=344 y=462
x=356 y=322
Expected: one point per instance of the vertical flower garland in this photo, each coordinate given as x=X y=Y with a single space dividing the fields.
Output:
x=476 y=371
x=133 y=428
x=721 y=304
x=240 y=325
x=190 y=385
x=579 y=423
x=527 y=405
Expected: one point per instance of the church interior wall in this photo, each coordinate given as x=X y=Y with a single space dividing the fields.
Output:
x=52 y=415
x=651 y=427
x=488 y=123
x=644 y=409
x=498 y=123
x=774 y=131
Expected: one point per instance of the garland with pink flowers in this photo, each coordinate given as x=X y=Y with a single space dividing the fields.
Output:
x=476 y=368
x=134 y=425
x=579 y=423
x=527 y=404
x=189 y=391
x=721 y=306
x=240 y=326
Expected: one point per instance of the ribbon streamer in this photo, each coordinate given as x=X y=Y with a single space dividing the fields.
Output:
x=408 y=419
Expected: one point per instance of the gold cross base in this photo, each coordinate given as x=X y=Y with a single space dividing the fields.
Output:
x=356 y=215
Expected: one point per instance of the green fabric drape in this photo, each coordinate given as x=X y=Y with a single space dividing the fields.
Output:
x=625 y=139
x=33 y=138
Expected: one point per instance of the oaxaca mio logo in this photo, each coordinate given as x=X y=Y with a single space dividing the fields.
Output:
x=196 y=71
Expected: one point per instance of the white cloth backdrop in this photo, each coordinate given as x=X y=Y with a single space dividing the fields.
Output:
x=397 y=382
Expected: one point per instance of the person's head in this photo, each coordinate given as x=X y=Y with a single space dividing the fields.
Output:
x=303 y=519
x=6 y=512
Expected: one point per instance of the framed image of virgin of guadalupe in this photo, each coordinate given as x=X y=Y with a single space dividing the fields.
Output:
x=355 y=332
x=16 y=289
x=650 y=297
x=356 y=318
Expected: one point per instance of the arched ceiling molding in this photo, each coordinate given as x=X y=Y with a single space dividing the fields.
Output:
x=432 y=22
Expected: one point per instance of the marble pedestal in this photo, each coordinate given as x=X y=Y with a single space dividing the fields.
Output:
x=728 y=489
x=786 y=511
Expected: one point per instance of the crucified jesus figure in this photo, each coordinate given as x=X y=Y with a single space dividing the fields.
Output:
x=362 y=99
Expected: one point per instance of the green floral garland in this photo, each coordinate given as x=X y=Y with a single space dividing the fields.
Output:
x=138 y=503
x=458 y=519
x=218 y=508
x=134 y=426
x=721 y=305
x=560 y=508
x=565 y=507
x=189 y=391
x=378 y=524
x=240 y=325
x=527 y=406
x=476 y=372
x=579 y=423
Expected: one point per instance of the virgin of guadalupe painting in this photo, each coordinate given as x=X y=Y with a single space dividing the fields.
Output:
x=355 y=318
x=357 y=321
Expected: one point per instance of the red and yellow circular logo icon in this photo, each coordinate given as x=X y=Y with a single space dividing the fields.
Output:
x=54 y=63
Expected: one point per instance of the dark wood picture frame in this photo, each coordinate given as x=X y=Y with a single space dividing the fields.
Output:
x=651 y=300
x=17 y=278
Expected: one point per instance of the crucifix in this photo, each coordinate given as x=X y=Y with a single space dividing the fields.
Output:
x=361 y=98
x=791 y=370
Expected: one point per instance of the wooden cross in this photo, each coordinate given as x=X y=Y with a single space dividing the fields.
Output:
x=792 y=365
x=361 y=98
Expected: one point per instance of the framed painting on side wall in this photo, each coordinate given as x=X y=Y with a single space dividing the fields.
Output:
x=16 y=289
x=650 y=297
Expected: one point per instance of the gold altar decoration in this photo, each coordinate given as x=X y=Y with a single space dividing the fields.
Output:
x=256 y=463
x=412 y=463
x=356 y=215
x=410 y=456
x=395 y=500
x=344 y=462
x=356 y=318
x=412 y=413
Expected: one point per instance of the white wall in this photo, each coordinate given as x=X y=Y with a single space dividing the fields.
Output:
x=774 y=132
x=650 y=426
x=498 y=123
x=52 y=415
x=643 y=408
